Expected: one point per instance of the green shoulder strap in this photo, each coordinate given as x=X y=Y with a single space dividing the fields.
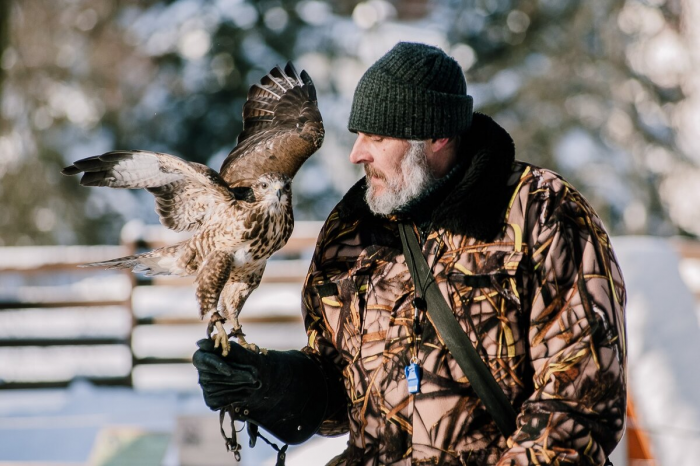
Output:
x=456 y=340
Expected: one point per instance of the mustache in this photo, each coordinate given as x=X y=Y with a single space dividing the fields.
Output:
x=372 y=172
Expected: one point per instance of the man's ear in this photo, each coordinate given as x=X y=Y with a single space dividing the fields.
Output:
x=437 y=144
x=441 y=154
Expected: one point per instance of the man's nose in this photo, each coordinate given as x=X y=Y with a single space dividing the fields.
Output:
x=359 y=153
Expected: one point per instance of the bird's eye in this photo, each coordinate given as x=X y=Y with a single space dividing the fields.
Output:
x=264 y=185
x=287 y=187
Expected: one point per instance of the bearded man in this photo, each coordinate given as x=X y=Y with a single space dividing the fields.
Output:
x=518 y=254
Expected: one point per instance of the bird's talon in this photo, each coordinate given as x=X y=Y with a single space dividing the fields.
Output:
x=221 y=339
x=237 y=333
x=251 y=346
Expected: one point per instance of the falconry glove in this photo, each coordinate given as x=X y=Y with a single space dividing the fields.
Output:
x=284 y=392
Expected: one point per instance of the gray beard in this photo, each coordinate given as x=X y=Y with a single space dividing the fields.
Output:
x=415 y=177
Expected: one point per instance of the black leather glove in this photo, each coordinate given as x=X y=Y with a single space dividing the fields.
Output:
x=284 y=392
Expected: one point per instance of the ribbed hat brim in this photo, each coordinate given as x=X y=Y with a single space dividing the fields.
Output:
x=407 y=112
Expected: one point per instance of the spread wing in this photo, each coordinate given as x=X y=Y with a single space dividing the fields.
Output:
x=187 y=193
x=282 y=127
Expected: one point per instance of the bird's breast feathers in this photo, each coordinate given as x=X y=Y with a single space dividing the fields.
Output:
x=243 y=257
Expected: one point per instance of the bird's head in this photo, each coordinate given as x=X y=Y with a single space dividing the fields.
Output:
x=273 y=188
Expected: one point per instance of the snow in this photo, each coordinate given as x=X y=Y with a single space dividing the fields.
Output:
x=65 y=429
x=663 y=347
x=80 y=424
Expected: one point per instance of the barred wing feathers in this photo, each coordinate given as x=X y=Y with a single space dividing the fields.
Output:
x=186 y=193
x=282 y=127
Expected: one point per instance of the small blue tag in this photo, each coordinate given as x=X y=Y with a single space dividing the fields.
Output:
x=413 y=377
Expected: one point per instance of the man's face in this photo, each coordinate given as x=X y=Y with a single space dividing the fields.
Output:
x=397 y=170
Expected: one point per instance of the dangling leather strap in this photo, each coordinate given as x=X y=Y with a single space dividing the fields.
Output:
x=456 y=340
x=232 y=444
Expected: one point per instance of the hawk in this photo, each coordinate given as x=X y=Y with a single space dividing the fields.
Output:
x=239 y=216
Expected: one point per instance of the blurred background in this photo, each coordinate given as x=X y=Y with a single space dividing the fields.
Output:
x=94 y=365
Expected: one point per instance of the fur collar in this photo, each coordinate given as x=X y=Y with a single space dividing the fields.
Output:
x=472 y=199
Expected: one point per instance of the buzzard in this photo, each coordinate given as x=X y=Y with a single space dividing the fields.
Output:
x=239 y=216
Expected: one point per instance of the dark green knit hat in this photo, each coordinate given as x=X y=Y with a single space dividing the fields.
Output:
x=415 y=91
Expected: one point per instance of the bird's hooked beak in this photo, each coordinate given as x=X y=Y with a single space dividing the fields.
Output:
x=279 y=187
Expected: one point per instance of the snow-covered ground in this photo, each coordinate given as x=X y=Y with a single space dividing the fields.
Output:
x=663 y=347
x=84 y=425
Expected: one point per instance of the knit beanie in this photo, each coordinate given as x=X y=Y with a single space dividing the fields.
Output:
x=415 y=91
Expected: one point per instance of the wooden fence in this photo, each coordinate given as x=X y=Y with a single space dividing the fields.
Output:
x=59 y=321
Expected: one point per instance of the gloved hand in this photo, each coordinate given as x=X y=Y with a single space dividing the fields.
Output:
x=284 y=392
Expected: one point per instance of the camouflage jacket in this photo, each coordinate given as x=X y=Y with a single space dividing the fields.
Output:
x=531 y=276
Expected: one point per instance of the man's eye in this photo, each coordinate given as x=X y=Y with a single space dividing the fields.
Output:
x=377 y=138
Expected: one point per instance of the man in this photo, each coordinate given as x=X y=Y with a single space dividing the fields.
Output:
x=518 y=254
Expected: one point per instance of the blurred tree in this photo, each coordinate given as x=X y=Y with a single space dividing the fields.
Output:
x=589 y=89
x=85 y=77
x=562 y=77
x=577 y=84
x=60 y=82
x=4 y=31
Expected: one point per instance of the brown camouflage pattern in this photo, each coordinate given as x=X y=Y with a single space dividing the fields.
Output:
x=543 y=304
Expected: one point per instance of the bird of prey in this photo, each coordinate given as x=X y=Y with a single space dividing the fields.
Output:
x=239 y=216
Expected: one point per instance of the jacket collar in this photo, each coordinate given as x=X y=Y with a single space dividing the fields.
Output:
x=471 y=200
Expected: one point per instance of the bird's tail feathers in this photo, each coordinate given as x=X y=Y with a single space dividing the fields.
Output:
x=150 y=263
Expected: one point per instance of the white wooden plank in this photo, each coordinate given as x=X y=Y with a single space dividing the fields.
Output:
x=270 y=299
x=96 y=288
x=34 y=257
x=179 y=341
x=166 y=341
x=66 y=323
x=61 y=363
x=165 y=377
x=290 y=270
